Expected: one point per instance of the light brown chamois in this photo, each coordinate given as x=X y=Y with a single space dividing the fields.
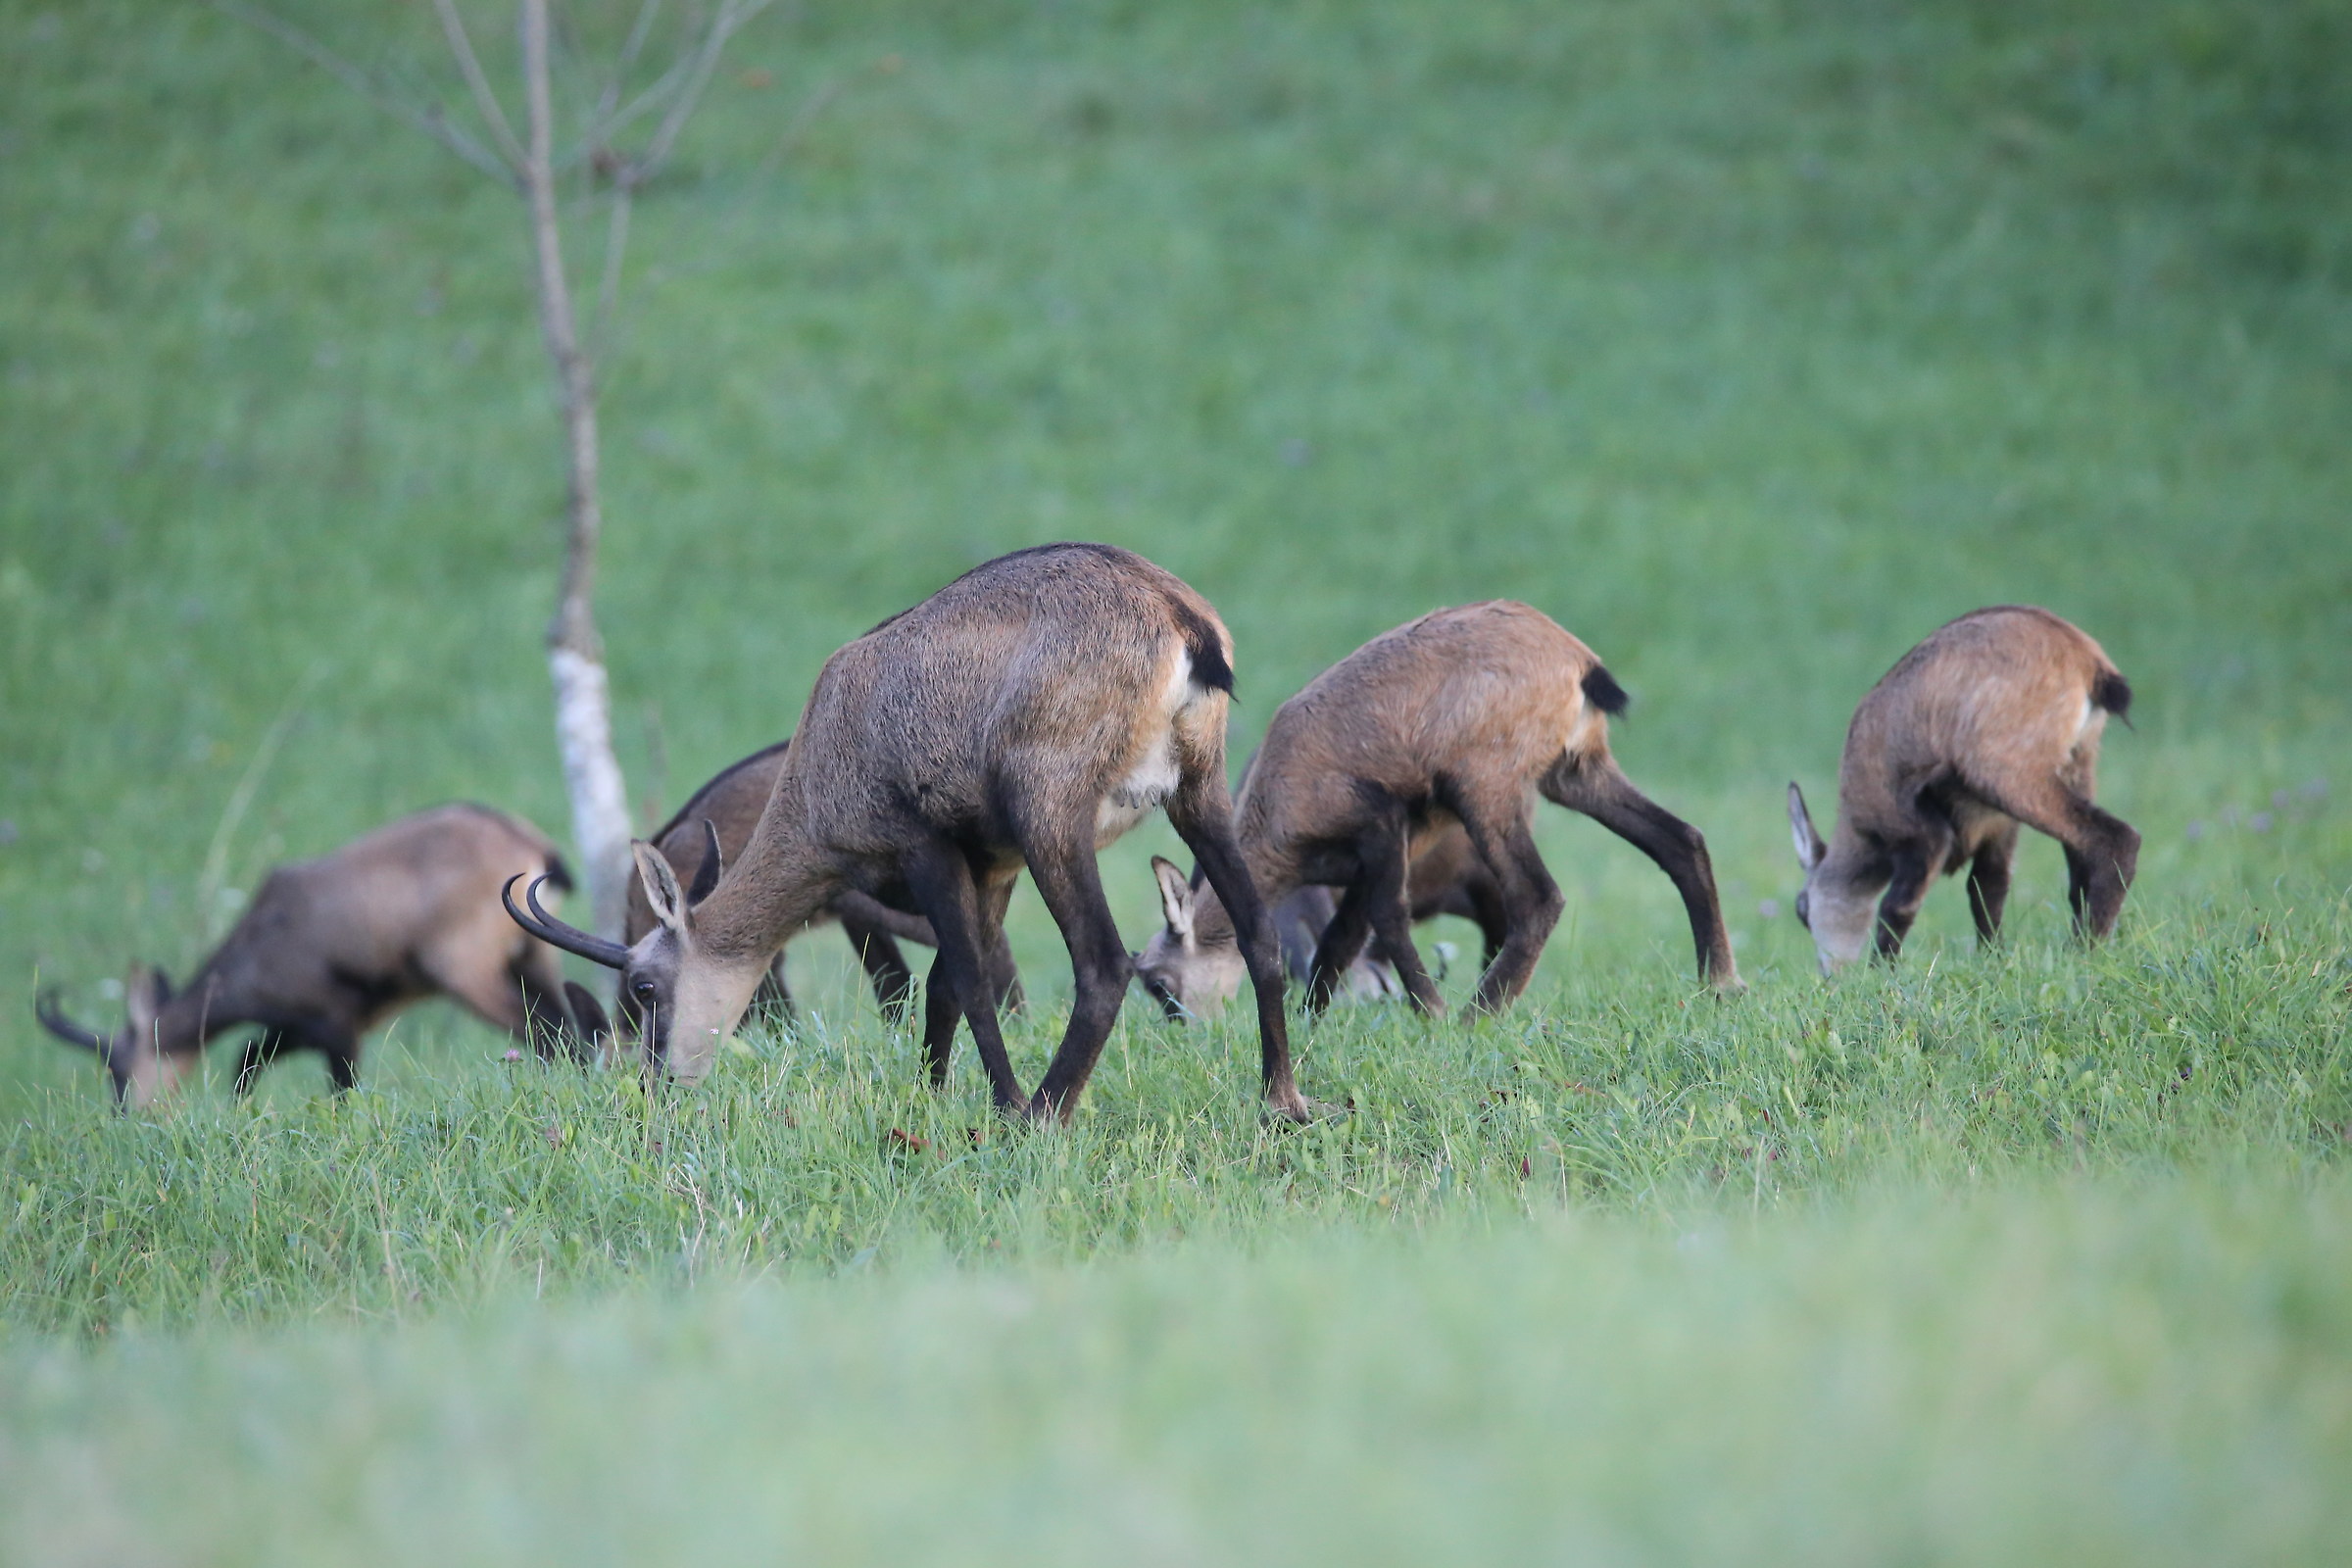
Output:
x=330 y=949
x=1026 y=714
x=1993 y=721
x=1427 y=747
x=722 y=813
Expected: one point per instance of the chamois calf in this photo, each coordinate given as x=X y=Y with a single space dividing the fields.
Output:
x=1993 y=721
x=722 y=813
x=1028 y=714
x=1428 y=745
x=330 y=949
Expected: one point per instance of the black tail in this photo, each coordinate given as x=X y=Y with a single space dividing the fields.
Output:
x=1207 y=651
x=1603 y=691
x=559 y=875
x=2113 y=693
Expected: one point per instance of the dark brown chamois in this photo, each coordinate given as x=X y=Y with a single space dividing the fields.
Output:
x=1026 y=714
x=724 y=811
x=330 y=949
x=1451 y=724
x=1993 y=721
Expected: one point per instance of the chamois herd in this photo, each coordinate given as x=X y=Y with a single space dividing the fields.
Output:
x=1036 y=708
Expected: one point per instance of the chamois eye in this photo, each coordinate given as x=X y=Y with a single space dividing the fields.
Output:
x=644 y=989
x=1804 y=911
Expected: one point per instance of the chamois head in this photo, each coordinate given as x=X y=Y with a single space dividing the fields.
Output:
x=1832 y=907
x=683 y=999
x=143 y=1072
x=1191 y=973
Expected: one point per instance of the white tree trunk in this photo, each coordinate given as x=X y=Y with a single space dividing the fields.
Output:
x=600 y=813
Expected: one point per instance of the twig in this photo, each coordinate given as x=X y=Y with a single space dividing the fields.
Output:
x=485 y=102
x=429 y=121
x=816 y=104
x=610 y=98
x=731 y=17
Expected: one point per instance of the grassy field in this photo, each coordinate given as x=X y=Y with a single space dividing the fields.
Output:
x=1750 y=340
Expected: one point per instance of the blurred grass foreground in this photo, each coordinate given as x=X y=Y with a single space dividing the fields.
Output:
x=1750 y=340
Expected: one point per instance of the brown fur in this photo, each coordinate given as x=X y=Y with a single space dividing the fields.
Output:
x=1025 y=715
x=1993 y=721
x=1414 y=761
x=330 y=949
x=731 y=804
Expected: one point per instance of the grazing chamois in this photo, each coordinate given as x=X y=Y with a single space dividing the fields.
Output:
x=722 y=813
x=1993 y=721
x=1025 y=715
x=1430 y=741
x=330 y=949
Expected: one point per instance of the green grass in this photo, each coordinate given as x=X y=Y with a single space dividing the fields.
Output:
x=1750 y=340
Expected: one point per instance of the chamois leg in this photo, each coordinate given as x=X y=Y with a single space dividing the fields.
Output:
x=1531 y=898
x=1600 y=788
x=885 y=968
x=1342 y=938
x=939 y=1021
x=1376 y=898
x=1485 y=900
x=1989 y=883
x=1062 y=865
x=2102 y=852
x=941 y=879
x=1202 y=812
x=1003 y=976
x=2109 y=849
x=1915 y=864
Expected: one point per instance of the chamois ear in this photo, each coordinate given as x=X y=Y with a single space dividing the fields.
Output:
x=662 y=890
x=1809 y=848
x=1175 y=898
x=705 y=875
x=145 y=994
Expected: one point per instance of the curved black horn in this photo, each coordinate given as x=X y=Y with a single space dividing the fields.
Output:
x=705 y=875
x=554 y=932
x=44 y=1007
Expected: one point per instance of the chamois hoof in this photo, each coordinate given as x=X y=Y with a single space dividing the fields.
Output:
x=1299 y=1111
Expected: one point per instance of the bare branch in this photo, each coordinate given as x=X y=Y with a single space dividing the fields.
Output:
x=731 y=15
x=608 y=100
x=429 y=120
x=485 y=102
x=607 y=293
x=816 y=104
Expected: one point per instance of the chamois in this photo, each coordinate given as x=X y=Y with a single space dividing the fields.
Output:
x=724 y=811
x=1025 y=715
x=328 y=949
x=1993 y=721
x=1448 y=725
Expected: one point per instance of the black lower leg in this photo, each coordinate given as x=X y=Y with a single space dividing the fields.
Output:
x=1202 y=816
x=885 y=967
x=1342 y=940
x=942 y=884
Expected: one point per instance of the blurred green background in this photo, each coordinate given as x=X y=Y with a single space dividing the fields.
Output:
x=1752 y=339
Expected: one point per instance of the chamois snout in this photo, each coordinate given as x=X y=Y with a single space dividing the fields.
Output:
x=1839 y=916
